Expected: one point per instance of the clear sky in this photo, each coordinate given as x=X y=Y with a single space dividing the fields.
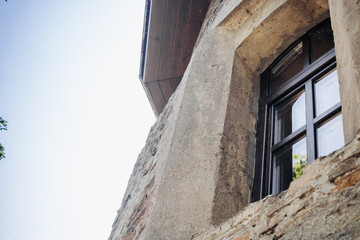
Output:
x=77 y=113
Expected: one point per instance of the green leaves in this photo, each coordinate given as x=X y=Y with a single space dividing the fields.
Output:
x=3 y=126
x=299 y=164
x=2 y=153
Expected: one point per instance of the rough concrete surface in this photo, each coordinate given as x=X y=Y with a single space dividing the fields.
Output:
x=345 y=21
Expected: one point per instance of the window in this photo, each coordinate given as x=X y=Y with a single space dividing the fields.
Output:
x=300 y=111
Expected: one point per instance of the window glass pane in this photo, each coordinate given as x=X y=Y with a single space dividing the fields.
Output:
x=290 y=116
x=322 y=40
x=326 y=92
x=330 y=136
x=286 y=161
x=289 y=65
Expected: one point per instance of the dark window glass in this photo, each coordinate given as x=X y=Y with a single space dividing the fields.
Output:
x=322 y=40
x=289 y=65
x=286 y=161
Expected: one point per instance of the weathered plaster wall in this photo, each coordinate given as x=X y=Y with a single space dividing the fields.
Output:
x=197 y=166
x=234 y=175
x=188 y=184
x=345 y=23
x=322 y=204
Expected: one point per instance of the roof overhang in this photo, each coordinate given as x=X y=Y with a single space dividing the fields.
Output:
x=171 y=28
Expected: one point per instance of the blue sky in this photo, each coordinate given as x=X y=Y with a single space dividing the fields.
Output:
x=77 y=113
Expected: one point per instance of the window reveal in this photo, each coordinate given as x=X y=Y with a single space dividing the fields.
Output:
x=300 y=111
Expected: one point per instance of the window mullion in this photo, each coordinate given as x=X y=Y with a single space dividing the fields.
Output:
x=270 y=154
x=263 y=150
x=289 y=139
x=310 y=131
x=327 y=114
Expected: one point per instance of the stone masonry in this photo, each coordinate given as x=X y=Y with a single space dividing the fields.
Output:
x=324 y=203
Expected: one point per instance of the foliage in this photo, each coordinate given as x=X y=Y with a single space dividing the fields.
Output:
x=2 y=153
x=299 y=164
x=3 y=126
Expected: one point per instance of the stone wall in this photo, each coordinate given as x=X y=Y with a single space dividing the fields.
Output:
x=324 y=203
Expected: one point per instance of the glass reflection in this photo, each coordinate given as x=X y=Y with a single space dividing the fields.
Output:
x=287 y=161
x=330 y=136
x=322 y=40
x=289 y=65
x=326 y=92
x=299 y=159
x=290 y=116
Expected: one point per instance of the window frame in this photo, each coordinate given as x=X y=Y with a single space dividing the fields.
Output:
x=265 y=168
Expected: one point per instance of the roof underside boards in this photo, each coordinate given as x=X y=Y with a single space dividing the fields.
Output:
x=170 y=32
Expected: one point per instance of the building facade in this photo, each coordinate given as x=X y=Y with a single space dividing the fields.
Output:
x=267 y=87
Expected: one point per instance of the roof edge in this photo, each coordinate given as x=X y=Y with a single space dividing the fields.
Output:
x=144 y=39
